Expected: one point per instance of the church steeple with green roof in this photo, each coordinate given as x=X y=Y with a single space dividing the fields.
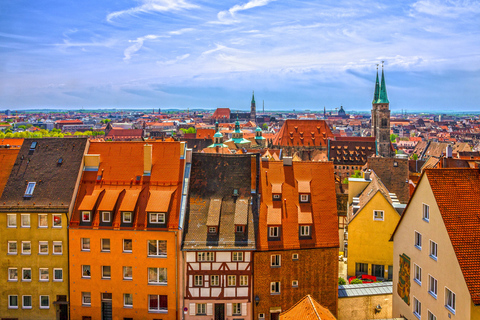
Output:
x=383 y=90
x=376 y=94
x=253 y=108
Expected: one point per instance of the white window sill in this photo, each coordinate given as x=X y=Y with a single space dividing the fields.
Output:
x=418 y=282
x=419 y=248
x=12 y=307
x=433 y=257
x=128 y=307
x=86 y=305
x=157 y=283
x=450 y=309
x=432 y=294
x=426 y=220
x=158 y=311
x=417 y=315
x=44 y=307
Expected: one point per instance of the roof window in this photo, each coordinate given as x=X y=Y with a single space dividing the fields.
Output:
x=33 y=145
x=30 y=188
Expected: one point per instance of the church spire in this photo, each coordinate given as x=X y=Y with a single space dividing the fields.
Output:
x=376 y=94
x=253 y=96
x=383 y=90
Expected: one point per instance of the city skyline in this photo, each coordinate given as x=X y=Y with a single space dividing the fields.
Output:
x=174 y=54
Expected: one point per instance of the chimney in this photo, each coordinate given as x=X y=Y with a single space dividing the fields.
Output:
x=448 y=151
x=287 y=161
x=147 y=159
x=366 y=175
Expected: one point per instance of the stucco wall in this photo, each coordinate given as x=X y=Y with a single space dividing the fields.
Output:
x=363 y=308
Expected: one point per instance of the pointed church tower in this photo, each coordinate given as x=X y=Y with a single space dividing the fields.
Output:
x=253 y=109
x=381 y=118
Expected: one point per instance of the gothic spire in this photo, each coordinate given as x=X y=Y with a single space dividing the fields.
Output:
x=376 y=94
x=253 y=96
x=383 y=90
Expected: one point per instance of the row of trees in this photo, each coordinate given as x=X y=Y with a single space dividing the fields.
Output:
x=54 y=133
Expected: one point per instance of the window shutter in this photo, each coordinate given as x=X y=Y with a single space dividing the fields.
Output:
x=229 y=309
x=244 y=309
x=192 y=309
x=209 y=309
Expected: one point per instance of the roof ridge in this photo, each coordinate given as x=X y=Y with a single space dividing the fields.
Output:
x=313 y=306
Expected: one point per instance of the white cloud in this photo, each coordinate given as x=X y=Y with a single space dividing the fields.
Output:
x=228 y=16
x=177 y=59
x=447 y=8
x=153 y=6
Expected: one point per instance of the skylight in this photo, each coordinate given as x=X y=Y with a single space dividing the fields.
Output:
x=30 y=188
x=33 y=145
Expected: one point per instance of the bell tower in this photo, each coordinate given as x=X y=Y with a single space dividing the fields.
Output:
x=253 y=109
x=381 y=118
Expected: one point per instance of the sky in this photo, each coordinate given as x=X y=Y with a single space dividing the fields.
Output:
x=295 y=55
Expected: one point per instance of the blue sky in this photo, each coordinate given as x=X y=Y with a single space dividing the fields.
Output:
x=208 y=54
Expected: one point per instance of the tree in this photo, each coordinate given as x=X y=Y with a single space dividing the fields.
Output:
x=356 y=281
x=341 y=281
x=105 y=121
x=191 y=130
x=22 y=127
x=2 y=135
x=415 y=156
x=345 y=181
x=265 y=126
x=393 y=137
x=29 y=125
x=357 y=174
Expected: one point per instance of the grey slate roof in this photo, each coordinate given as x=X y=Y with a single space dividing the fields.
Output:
x=365 y=289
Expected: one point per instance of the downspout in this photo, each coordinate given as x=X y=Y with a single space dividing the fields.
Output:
x=376 y=148
x=328 y=151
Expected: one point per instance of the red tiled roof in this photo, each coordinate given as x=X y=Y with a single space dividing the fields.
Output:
x=205 y=133
x=303 y=133
x=307 y=309
x=221 y=113
x=7 y=160
x=457 y=192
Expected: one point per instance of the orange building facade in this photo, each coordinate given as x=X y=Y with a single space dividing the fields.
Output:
x=124 y=232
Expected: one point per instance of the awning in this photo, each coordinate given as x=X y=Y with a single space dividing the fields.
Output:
x=214 y=212
x=88 y=202
x=241 y=212
x=276 y=187
x=303 y=186
x=274 y=215
x=304 y=214
x=109 y=200
x=159 y=200
x=130 y=200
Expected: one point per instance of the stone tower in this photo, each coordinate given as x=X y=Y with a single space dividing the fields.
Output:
x=381 y=118
x=253 y=109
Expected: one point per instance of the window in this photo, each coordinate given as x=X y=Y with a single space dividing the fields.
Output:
x=417 y=274
x=232 y=281
x=106 y=215
x=29 y=190
x=240 y=229
x=127 y=217
x=44 y=302
x=127 y=273
x=43 y=274
x=127 y=245
x=426 y=212
x=56 y=220
x=157 y=218
x=12 y=247
x=42 y=247
x=105 y=245
x=390 y=273
x=378 y=270
x=85 y=244
x=157 y=275
x=295 y=283
x=25 y=220
x=57 y=274
x=198 y=281
x=431 y=316
x=42 y=221
x=417 y=308
x=106 y=272
x=275 y=287
x=243 y=281
x=432 y=286
x=86 y=271
x=378 y=215
x=205 y=256
x=157 y=303
x=275 y=260
x=304 y=198
x=212 y=229
x=295 y=256
x=157 y=248
x=237 y=309
x=26 y=274
x=276 y=196
x=418 y=240
x=304 y=231
x=214 y=280
x=26 y=247
x=237 y=256
x=86 y=299
x=86 y=216
x=27 y=302
x=273 y=232
x=201 y=309
x=449 y=300
x=127 y=300
x=13 y=302
x=361 y=268
x=57 y=247
x=433 y=250
x=11 y=220
x=261 y=316
x=12 y=274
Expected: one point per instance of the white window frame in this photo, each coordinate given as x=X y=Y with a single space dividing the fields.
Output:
x=127 y=250
x=431 y=316
x=426 y=212
x=417 y=274
x=125 y=273
x=158 y=272
x=25 y=252
x=212 y=229
x=450 y=300
x=53 y=220
x=261 y=316
x=30 y=188
x=104 y=276
x=23 y=274
x=237 y=256
x=295 y=256
x=276 y=196
x=236 y=309
x=156 y=217
x=106 y=216
x=40 y=274
x=243 y=280
x=27 y=223
x=378 y=218
x=40 y=302
x=433 y=250
x=23 y=302
x=45 y=219
x=88 y=268
x=57 y=244
x=10 y=306
x=10 y=270
x=125 y=304
x=275 y=287
x=86 y=216
x=201 y=309
x=275 y=260
x=14 y=224
x=215 y=280
x=295 y=283
x=159 y=310
x=45 y=244
x=231 y=280
x=124 y=217
x=86 y=299
x=198 y=280
x=417 y=308
x=83 y=243
x=157 y=246
x=304 y=231
x=418 y=240
x=9 y=251
x=240 y=228
x=432 y=286
x=55 y=276
x=304 y=198
x=274 y=232
x=205 y=256
x=103 y=245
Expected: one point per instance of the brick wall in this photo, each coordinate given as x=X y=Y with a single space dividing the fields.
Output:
x=394 y=175
x=316 y=271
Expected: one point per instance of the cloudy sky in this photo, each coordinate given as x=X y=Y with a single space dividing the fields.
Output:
x=208 y=54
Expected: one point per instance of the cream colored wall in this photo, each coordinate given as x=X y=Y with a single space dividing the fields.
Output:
x=363 y=308
x=446 y=270
x=368 y=239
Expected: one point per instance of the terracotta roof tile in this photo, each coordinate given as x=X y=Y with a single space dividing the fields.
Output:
x=109 y=200
x=214 y=212
x=159 y=200
x=129 y=201
x=291 y=133
x=274 y=215
x=89 y=201
x=307 y=309
x=7 y=160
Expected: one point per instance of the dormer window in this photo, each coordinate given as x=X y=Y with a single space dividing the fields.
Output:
x=239 y=229
x=157 y=218
x=304 y=231
x=127 y=217
x=276 y=197
x=30 y=188
x=212 y=230
x=106 y=216
x=304 y=198
x=273 y=232
x=86 y=216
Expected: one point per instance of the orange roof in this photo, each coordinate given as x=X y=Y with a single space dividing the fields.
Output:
x=221 y=113
x=129 y=200
x=205 y=133
x=303 y=186
x=7 y=160
x=303 y=133
x=159 y=200
x=274 y=215
x=109 y=200
x=307 y=309
x=304 y=214
x=15 y=143
x=89 y=201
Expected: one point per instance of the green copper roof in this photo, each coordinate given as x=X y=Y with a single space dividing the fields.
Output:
x=253 y=96
x=237 y=125
x=383 y=91
x=217 y=135
x=258 y=129
x=376 y=94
